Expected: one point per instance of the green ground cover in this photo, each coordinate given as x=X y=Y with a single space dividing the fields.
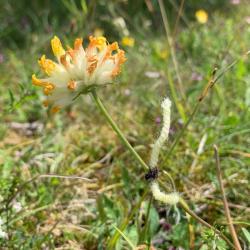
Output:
x=109 y=209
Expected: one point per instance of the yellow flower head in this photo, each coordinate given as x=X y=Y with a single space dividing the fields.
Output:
x=77 y=68
x=128 y=41
x=201 y=16
x=163 y=54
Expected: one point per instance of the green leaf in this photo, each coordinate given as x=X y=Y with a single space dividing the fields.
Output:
x=132 y=234
x=221 y=244
x=111 y=209
x=153 y=220
x=12 y=99
x=179 y=231
x=241 y=69
x=84 y=6
x=246 y=234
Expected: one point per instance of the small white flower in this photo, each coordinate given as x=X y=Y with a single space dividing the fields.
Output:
x=152 y=74
x=3 y=235
x=77 y=69
x=17 y=206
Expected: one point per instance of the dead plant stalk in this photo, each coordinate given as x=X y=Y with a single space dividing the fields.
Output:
x=225 y=203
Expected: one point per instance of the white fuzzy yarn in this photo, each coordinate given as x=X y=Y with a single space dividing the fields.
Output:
x=171 y=198
x=166 y=105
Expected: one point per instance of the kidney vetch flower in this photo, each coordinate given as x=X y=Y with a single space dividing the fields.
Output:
x=78 y=69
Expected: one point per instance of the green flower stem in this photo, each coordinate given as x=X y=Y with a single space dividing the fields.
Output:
x=117 y=130
x=182 y=203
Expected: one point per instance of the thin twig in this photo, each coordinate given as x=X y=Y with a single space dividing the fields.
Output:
x=226 y=207
x=178 y=18
x=64 y=177
x=210 y=84
x=184 y=205
x=176 y=8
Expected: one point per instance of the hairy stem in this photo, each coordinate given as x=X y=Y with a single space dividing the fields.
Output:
x=117 y=130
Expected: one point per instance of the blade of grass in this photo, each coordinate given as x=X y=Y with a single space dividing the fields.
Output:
x=172 y=48
x=178 y=104
x=246 y=234
x=147 y=222
x=29 y=213
x=178 y=18
x=226 y=207
x=124 y=236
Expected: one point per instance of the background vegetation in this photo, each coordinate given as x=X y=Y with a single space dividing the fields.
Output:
x=39 y=212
